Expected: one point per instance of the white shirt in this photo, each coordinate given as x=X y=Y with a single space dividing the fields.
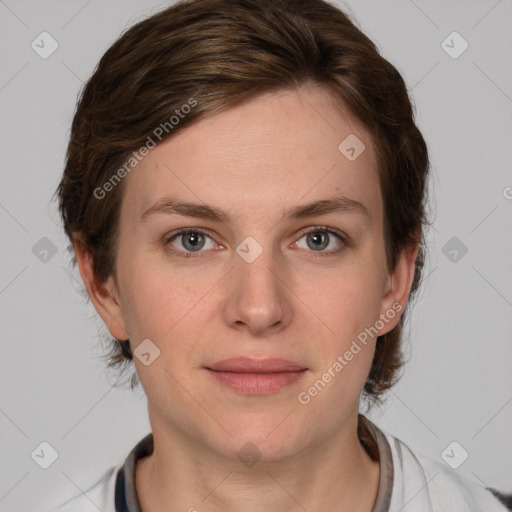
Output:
x=408 y=482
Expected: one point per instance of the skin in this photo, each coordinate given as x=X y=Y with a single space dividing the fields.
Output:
x=254 y=161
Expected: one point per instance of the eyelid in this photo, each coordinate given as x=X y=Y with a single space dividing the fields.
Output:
x=333 y=231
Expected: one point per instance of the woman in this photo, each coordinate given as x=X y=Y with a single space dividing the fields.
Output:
x=245 y=192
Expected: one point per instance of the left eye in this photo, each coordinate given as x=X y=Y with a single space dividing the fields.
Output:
x=320 y=239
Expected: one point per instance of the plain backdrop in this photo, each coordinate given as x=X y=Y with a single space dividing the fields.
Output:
x=457 y=385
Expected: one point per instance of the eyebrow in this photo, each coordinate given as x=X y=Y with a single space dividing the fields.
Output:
x=203 y=211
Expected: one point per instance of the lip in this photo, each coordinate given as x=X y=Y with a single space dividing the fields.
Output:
x=249 y=365
x=256 y=376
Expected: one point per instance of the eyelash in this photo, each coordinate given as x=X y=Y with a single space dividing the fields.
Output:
x=345 y=241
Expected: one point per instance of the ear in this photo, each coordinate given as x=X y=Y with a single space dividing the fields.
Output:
x=103 y=294
x=398 y=287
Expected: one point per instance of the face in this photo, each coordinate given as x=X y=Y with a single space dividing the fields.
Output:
x=256 y=275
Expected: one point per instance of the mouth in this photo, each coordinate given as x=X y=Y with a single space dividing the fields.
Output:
x=254 y=377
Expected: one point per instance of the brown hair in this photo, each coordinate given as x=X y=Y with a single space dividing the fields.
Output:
x=214 y=54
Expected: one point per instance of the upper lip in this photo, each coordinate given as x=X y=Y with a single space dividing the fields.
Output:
x=248 y=365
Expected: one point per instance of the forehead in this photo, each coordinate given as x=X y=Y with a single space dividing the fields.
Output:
x=275 y=151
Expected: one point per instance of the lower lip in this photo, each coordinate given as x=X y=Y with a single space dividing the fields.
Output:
x=257 y=383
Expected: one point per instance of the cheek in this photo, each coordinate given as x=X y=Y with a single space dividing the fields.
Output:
x=174 y=307
x=347 y=303
x=155 y=299
x=163 y=307
x=345 y=355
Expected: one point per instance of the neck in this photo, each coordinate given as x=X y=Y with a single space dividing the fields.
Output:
x=337 y=474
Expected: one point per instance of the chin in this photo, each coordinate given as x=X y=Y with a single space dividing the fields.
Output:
x=263 y=441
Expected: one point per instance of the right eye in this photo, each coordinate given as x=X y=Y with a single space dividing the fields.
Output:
x=191 y=240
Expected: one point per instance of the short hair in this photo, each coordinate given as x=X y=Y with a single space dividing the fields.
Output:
x=201 y=57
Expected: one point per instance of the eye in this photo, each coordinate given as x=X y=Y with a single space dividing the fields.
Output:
x=318 y=239
x=187 y=241
x=190 y=240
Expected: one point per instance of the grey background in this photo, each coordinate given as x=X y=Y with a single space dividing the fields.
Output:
x=458 y=383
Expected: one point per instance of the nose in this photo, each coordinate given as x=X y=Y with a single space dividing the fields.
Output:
x=258 y=296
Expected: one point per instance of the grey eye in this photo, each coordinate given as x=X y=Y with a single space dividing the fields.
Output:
x=320 y=240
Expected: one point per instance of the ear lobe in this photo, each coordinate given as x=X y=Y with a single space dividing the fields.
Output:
x=399 y=286
x=103 y=294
